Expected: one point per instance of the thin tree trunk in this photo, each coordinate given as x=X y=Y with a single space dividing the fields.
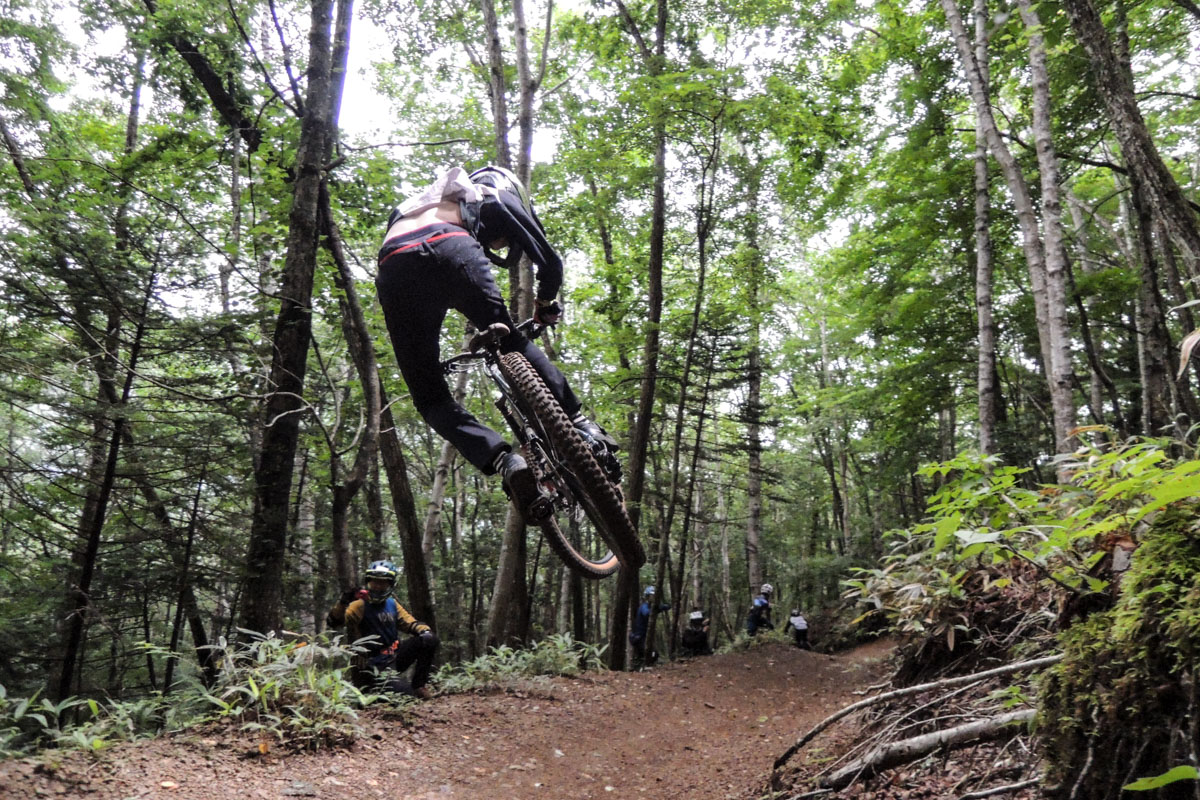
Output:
x=94 y=517
x=1031 y=242
x=640 y=435
x=416 y=574
x=1059 y=370
x=991 y=405
x=703 y=226
x=184 y=587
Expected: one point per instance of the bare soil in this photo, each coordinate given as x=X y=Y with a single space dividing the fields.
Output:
x=707 y=727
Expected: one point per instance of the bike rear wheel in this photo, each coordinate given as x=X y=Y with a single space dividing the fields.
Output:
x=592 y=497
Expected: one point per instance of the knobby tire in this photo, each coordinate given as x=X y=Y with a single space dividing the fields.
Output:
x=602 y=504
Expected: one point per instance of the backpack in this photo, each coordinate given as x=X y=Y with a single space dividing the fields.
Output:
x=453 y=185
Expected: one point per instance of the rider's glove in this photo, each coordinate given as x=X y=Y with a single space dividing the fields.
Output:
x=348 y=597
x=426 y=635
x=546 y=312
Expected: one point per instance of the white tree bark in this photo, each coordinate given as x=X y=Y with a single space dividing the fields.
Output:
x=1059 y=370
x=1031 y=239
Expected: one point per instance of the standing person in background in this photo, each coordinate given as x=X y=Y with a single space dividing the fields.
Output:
x=799 y=626
x=641 y=625
x=694 y=639
x=380 y=616
x=759 y=617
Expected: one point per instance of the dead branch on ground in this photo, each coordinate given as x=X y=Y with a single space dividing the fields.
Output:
x=908 y=750
x=911 y=690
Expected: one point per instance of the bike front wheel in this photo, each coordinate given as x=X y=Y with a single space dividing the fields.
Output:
x=588 y=495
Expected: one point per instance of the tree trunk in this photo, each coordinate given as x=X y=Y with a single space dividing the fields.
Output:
x=704 y=220
x=640 y=435
x=508 y=565
x=1059 y=370
x=1031 y=242
x=991 y=404
x=94 y=516
x=416 y=574
x=1114 y=81
x=262 y=604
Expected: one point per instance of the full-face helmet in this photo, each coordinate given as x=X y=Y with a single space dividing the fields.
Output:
x=380 y=571
x=503 y=180
x=766 y=589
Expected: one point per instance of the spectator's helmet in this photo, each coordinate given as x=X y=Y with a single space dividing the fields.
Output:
x=766 y=589
x=649 y=592
x=503 y=180
x=381 y=571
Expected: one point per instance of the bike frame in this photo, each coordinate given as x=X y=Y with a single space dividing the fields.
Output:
x=528 y=434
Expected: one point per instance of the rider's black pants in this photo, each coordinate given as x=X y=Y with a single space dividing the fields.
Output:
x=421 y=276
x=380 y=668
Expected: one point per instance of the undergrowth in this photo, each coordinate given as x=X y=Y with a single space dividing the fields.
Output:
x=1104 y=566
x=293 y=693
x=504 y=667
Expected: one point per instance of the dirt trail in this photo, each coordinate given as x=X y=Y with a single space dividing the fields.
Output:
x=706 y=727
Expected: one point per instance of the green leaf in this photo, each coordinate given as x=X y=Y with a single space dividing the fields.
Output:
x=1183 y=773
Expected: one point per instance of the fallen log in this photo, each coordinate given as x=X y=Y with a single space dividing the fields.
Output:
x=945 y=683
x=905 y=751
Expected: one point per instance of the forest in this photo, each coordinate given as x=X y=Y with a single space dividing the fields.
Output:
x=891 y=305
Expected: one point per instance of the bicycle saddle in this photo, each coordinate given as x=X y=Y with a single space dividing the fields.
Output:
x=494 y=333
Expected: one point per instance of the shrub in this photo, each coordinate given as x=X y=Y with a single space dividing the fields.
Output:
x=504 y=667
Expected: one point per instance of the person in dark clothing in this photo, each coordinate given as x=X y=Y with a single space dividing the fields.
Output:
x=438 y=254
x=759 y=617
x=694 y=638
x=799 y=627
x=378 y=615
x=641 y=626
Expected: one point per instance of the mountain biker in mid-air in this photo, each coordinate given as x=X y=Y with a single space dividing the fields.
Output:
x=437 y=254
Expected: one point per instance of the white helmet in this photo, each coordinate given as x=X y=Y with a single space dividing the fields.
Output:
x=504 y=180
x=766 y=589
x=697 y=616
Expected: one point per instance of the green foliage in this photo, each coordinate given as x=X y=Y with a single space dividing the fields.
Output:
x=27 y=721
x=744 y=641
x=989 y=538
x=503 y=666
x=1122 y=702
x=292 y=691
x=1183 y=773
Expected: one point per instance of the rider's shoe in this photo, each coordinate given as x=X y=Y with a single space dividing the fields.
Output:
x=593 y=431
x=522 y=487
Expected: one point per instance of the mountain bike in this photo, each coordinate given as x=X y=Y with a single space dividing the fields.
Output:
x=580 y=477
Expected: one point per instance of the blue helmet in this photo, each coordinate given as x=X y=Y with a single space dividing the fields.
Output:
x=649 y=591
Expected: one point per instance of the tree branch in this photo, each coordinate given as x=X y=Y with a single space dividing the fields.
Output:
x=909 y=750
x=911 y=690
